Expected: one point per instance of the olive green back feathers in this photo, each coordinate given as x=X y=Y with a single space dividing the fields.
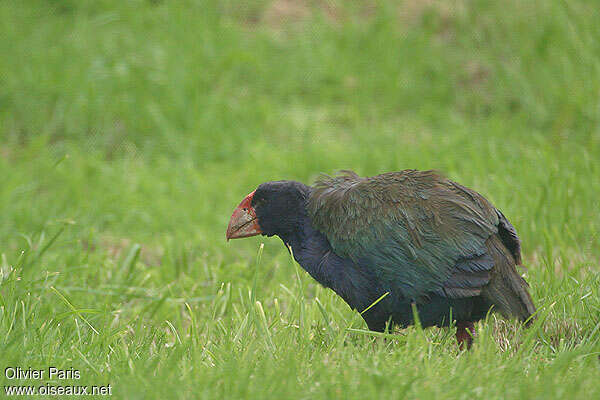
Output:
x=422 y=233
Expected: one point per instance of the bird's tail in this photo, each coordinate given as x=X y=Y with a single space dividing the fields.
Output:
x=507 y=291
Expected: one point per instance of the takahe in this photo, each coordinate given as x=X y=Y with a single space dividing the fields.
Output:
x=415 y=235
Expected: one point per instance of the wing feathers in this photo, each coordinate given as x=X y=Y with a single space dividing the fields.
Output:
x=417 y=230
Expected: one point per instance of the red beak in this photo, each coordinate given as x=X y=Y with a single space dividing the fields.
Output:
x=243 y=222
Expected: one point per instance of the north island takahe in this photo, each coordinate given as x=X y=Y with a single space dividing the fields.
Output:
x=415 y=235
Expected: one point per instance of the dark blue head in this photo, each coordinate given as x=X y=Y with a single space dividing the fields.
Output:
x=274 y=208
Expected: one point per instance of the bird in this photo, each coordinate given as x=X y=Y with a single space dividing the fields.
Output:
x=396 y=245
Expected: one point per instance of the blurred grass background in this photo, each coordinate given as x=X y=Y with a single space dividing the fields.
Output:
x=129 y=130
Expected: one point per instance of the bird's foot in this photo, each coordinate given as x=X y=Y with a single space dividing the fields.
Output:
x=465 y=332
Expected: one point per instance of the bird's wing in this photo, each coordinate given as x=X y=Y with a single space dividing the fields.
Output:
x=418 y=231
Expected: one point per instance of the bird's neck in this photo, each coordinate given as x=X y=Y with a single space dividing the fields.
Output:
x=314 y=253
x=295 y=232
x=310 y=249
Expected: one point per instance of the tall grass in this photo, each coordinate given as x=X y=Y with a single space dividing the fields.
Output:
x=130 y=130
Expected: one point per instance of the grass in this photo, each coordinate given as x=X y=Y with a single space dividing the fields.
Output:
x=130 y=130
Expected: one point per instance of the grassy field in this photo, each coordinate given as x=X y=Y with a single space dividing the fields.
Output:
x=129 y=130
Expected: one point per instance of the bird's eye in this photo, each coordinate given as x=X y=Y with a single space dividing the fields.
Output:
x=245 y=209
x=257 y=202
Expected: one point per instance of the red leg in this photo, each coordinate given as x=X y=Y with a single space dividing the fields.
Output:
x=465 y=332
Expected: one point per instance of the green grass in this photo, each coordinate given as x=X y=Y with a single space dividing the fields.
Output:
x=130 y=130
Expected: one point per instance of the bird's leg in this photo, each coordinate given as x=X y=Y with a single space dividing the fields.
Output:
x=465 y=332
